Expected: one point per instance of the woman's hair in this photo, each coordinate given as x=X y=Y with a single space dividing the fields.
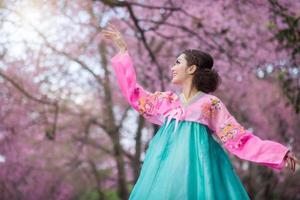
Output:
x=206 y=79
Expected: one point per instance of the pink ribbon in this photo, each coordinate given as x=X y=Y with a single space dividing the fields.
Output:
x=177 y=114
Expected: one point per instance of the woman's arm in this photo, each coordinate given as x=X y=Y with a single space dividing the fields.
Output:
x=152 y=106
x=241 y=142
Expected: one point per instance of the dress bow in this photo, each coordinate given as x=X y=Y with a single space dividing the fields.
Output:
x=176 y=113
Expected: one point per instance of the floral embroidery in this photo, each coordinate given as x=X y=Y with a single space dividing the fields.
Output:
x=170 y=96
x=209 y=109
x=205 y=110
x=150 y=103
x=144 y=105
x=215 y=106
x=230 y=131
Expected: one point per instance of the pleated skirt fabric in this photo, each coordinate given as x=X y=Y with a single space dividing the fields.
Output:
x=187 y=164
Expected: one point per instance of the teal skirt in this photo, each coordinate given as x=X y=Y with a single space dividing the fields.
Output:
x=188 y=164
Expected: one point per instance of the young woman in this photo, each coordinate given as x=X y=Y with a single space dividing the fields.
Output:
x=185 y=159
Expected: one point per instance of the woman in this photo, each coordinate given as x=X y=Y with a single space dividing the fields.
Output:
x=185 y=159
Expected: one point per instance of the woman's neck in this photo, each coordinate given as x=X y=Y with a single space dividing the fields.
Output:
x=189 y=91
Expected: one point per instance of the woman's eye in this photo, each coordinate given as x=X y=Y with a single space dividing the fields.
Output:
x=177 y=62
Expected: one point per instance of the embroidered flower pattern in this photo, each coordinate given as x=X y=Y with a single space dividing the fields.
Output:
x=215 y=106
x=150 y=103
x=170 y=96
x=206 y=111
x=209 y=108
x=230 y=131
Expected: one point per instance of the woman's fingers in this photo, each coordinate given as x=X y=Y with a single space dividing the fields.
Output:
x=109 y=32
x=292 y=163
x=294 y=160
x=114 y=31
x=110 y=35
x=289 y=162
x=115 y=36
x=113 y=27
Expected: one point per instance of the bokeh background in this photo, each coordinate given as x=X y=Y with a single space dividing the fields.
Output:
x=66 y=131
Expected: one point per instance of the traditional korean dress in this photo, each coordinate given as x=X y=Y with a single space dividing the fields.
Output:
x=187 y=159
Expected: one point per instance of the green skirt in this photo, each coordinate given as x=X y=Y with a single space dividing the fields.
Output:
x=188 y=164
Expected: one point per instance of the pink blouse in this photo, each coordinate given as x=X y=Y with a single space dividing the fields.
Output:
x=206 y=109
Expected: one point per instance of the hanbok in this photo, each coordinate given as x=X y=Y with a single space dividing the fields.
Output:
x=187 y=158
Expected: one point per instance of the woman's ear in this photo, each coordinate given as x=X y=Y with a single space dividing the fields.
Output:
x=192 y=69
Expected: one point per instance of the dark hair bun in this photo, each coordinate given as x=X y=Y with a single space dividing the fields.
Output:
x=206 y=78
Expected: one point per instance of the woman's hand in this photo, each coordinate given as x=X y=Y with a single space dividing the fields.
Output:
x=291 y=161
x=115 y=36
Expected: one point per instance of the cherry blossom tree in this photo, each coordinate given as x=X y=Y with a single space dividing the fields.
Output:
x=66 y=129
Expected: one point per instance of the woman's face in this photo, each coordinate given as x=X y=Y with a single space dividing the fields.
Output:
x=180 y=70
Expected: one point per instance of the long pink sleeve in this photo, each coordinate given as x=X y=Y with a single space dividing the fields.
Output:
x=241 y=142
x=153 y=106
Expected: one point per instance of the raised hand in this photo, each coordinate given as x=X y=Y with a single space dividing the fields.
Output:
x=115 y=36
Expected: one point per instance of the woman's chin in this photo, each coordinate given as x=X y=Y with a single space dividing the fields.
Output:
x=176 y=82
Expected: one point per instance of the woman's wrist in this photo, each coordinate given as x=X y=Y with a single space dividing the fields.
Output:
x=122 y=49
